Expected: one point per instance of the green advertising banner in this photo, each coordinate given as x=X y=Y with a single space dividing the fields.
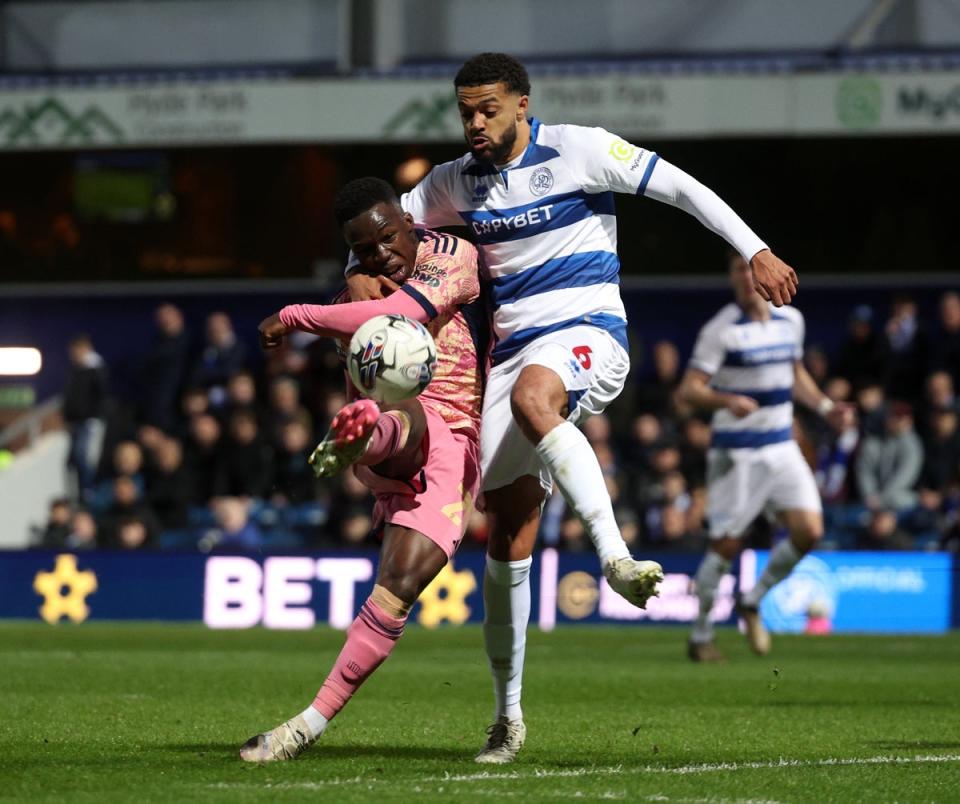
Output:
x=390 y=110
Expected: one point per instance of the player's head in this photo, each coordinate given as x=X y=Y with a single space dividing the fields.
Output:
x=492 y=94
x=376 y=228
x=741 y=280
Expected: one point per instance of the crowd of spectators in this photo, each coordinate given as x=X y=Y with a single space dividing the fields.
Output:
x=213 y=455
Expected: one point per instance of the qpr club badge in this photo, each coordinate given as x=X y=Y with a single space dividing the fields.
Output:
x=541 y=181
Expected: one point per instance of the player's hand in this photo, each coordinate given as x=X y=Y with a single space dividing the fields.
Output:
x=369 y=287
x=272 y=330
x=842 y=416
x=773 y=278
x=741 y=406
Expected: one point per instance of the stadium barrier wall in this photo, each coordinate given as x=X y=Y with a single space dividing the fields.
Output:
x=840 y=592
x=119 y=316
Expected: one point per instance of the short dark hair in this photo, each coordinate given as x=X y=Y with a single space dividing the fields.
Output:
x=494 y=68
x=360 y=195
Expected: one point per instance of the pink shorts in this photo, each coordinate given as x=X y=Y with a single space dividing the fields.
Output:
x=438 y=501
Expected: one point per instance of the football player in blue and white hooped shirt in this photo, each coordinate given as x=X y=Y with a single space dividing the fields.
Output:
x=747 y=368
x=539 y=201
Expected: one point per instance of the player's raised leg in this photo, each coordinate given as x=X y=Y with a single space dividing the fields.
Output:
x=408 y=562
x=806 y=530
x=715 y=564
x=360 y=433
x=540 y=404
x=513 y=512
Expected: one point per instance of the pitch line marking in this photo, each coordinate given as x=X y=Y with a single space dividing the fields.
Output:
x=486 y=776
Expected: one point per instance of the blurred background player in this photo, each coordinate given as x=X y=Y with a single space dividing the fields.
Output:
x=747 y=368
x=421 y=457
x=539 y=200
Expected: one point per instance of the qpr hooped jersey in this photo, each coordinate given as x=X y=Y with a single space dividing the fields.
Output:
x=545 y=227
x=755 y=359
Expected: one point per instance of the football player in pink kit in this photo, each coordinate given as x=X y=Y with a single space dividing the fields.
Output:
x=420 y=457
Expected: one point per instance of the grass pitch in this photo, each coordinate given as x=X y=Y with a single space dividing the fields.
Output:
x=148 y=712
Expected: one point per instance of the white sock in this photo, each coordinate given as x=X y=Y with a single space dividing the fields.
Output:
x=573 y=464
x=316 y=722
x=712 y=568
x=506 y=597
x=783 y=558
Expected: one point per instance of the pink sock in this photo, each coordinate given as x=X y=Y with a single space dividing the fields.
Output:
x=384 y=442
x=370 y=639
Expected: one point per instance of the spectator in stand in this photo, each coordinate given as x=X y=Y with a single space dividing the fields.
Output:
x=128 y=504
x=241 y=395
x=168 y=486
x=285 y=408
x=693 y=452
x=150 y=438
x=85 y=407
x=293 y=479
x=597 y=431
x=222 y=357
x=888 y=466
x=83 y=532
x=132 y=534
x=940 y=477
x=202 y=458
x=629 y=524
x=658 y=395
x=127 y=462
x=884 y=533
x=664 y=459
x=573 y=537
x=907 y=355
x=349 y=496
x=194 y=402
x=163 y=369
x=871 y=409
x=946 y=352
x=331 y=400
x=57 y=529
x=645 y=433
x=356 y=527
x=817 y=364
x=834 y=451
x=862 y=355
x=245 y=468
x=939 y=395
x=235 y=530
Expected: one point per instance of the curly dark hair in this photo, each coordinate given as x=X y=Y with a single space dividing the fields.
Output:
x=494 y=68
x=359 y=195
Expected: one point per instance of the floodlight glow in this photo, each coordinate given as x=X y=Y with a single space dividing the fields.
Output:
x=19 y=361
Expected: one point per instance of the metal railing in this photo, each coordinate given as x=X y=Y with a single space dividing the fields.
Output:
x=30 y=425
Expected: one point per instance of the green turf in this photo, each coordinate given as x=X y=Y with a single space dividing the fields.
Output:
x=147 y=712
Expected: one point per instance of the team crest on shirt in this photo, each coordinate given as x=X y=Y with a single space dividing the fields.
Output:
x=480 y=193
x=541 y=180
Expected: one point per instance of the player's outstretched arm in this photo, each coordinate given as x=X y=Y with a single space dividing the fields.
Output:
x=695 y=390
x=774 y=280
x=840 y=415
x=335 y=320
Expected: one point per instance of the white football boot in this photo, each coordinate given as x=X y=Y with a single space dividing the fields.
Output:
x=758 y=637
x=287 y=741
x=504 y=741
x=635 y=581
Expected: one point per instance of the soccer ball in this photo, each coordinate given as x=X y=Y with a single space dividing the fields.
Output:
x=391 y=358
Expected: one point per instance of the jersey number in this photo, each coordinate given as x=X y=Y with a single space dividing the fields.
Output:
x=582 y=353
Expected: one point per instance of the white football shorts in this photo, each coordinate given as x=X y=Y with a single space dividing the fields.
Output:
x=593 y=367
x=743 y=483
